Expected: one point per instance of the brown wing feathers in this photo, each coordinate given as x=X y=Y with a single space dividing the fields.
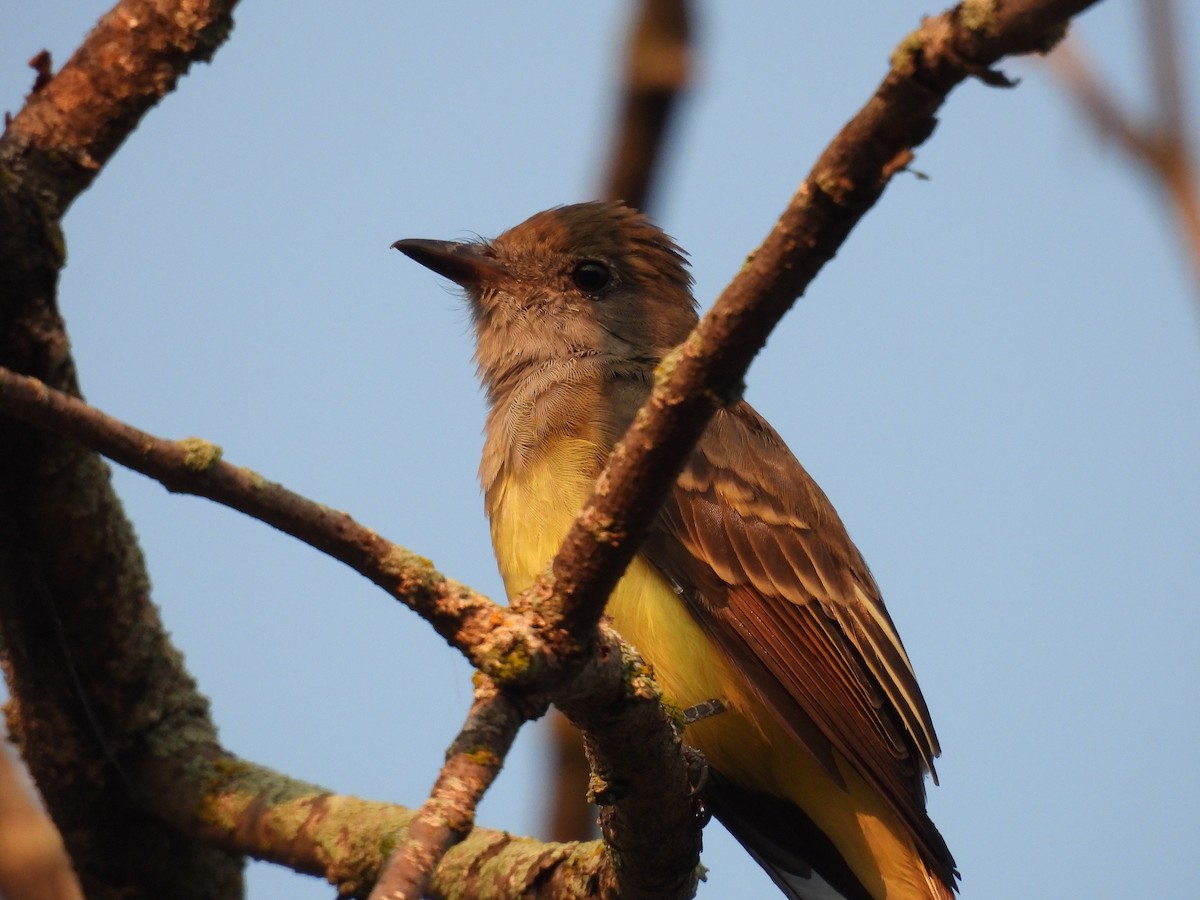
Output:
x=792 y=601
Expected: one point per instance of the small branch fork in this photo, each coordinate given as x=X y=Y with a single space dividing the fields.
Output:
x=610 y=691
x=548 y=645
x=1162 y=143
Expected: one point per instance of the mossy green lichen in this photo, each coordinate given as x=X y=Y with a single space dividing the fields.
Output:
x=415 y=571
x=482 y=756
x=978 y=15
x=200 y=455
x=508 y=666
x=676 y=712
x=257 y=482
x=639 y=675
x=908 y=52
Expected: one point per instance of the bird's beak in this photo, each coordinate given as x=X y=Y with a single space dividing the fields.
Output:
x=468 y=265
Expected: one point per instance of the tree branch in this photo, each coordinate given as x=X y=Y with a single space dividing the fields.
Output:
x=657 y=71
x=707 y=370
x=608 y=692
x=1162 y=146
x=248 y=808
x=469 y=621
x=447 y=817
x=72 y=123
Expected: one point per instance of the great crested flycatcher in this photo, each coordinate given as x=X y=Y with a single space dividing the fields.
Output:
x=748 y=589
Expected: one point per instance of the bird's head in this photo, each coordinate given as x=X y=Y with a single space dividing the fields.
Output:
x=589 y=280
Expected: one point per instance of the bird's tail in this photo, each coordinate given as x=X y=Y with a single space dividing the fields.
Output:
x=801 y=859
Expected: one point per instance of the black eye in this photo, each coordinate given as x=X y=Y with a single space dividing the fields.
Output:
x=591 y=276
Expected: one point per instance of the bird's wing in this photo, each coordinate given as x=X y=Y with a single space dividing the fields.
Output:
x=767 y=568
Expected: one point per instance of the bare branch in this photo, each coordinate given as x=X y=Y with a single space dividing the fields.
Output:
x=648 y=813
x=447 y=817
x=608 y=692
x=657 y=71
x=90 y=670
x=242 y=806
x=707 y=370
x=1162 y=145
x=72 y=123
x=468 y=620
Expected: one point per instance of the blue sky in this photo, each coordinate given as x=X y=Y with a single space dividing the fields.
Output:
x=996 y=381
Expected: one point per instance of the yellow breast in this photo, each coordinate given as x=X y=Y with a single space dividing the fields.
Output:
x=530 y=513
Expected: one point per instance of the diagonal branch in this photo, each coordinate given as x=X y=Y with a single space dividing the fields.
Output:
x=448 y=815
x=706 y=371
x=74 y=122
x=466 y=619
x=248 y=808
x=1163 y=144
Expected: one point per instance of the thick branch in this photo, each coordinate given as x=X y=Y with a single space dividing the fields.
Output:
x=91 y=672
x=636 y=754
x=645 y=794
x=215 y=797
x=236 y=804
x=73 y=123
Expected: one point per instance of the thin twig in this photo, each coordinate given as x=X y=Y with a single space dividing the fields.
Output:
x=1161 y=143
x=448 y=815
x=657 y=71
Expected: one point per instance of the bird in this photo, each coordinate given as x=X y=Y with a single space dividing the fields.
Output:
x=748 y=590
